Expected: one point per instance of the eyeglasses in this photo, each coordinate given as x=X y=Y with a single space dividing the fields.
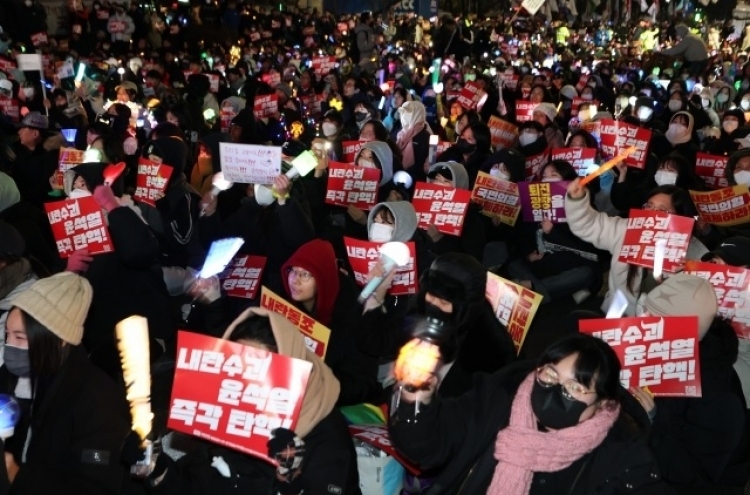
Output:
x=547 y=377
x=301 y=275
x=649 y=206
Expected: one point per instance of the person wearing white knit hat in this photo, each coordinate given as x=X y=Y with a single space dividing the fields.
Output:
x=72 y=442
x=545 y=114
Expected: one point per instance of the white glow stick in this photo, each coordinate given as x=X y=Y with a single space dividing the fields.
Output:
x=219 y=256
x=661 y=247
x=618 y=305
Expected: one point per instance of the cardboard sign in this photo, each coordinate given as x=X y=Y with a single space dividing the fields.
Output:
x=78 y=224
x=504 y=134
x=352 y=185
x=711 y=169
x=10 y=108
x=498 y=198
x=524 y=110
x=350 y=149
x=514 y=306
x=38 y=39
x=657 y=352
x=510 y=81
x=725 y=207
x=316 y=334
x=645 y=228
x=242 y=280
x=543 y=201
x=441 y=206
x=69 y=158
x=470 y=96
x=234 y=395
x=151 y=181
x=532 y=6
x=266 y=106
x=616 y=136
x=732 y=287
x=29 y=62
x=364 y=255
x=582 y=159
x=534 y=163
x=323 y=65
x=116 y=27
x=250 y=163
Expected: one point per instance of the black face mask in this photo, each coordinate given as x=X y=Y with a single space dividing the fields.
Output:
x=17 y=360
x=434 y=312
x=360 y=116
x=464 y=147
x=552 y=410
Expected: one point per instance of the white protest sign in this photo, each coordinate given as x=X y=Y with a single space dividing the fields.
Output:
x=29 y=62
x=532 y=6
x=249 y=163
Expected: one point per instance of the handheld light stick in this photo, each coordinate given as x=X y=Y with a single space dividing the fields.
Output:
x=608 y=165
x=392 y=255
x=133 y=344
x=219 y=184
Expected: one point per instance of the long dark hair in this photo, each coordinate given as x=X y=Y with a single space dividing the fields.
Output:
x=683 y=206
x=47 y=354
x=258 y=329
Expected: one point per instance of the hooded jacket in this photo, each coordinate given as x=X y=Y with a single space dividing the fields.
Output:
x=690 y=47
x=385 y=157
x=460 y=178
x=334 y=298
x=405 y=219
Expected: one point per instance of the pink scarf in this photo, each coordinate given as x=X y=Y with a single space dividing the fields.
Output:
x=522 y=449
x=405 y=141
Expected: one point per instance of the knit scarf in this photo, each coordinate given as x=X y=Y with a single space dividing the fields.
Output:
x=522 y=449
x=13 y=275
x=405 y=141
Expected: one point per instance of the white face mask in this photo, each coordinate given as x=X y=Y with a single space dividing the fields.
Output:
x=722 y=98
x=366 y=163
x=675 y=105
x=263 y=195
x=742 y=177
x=527 y=138
x=78 y=193
x=644 y=113
x=665 y=177
x=587 y=96
x=28 y=92
x=551 y=179
x=745 y=104
x=329 y=129
x=496 y=172
x=380 y=232
x=675 y=132
x=729 y=126
x=705 y=102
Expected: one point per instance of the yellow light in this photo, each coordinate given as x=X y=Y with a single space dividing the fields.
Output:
x=417 y=362
x=133 y=343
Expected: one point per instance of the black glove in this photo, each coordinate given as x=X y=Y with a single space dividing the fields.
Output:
x=132 y=449
x=288 y=450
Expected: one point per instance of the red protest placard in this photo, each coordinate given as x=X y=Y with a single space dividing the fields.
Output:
x=498 y=198
x=234 y=395
x=315 y=333
x=616 y=136
x=312 y=104
x=11 y=108
x=514 y=306
x=266 y=106
x=510 y=81
x=469 y=96
x=273 y=79
x=350 y=149
x=441 y=206
x=364 y=255
x=151 y=181
x=242 y=279
x=732 y=292
x=647 y=227
x=323 y=65
x=7 y=65
x=78 y=224
x=657 y=352
x=503 y=134
x=711 y=169
x=352 y=185
x=543 y=200
x=38 y=39
x=725 y=207
x=226 y=115
x=524 y=110
x=69 y=158
x=534 y=163
x=582 y=83
x=213 y=80
x=582 y=159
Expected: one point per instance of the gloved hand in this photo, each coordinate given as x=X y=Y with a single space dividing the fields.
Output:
x=78 y=262
x=106 y=198
x=288 y=450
